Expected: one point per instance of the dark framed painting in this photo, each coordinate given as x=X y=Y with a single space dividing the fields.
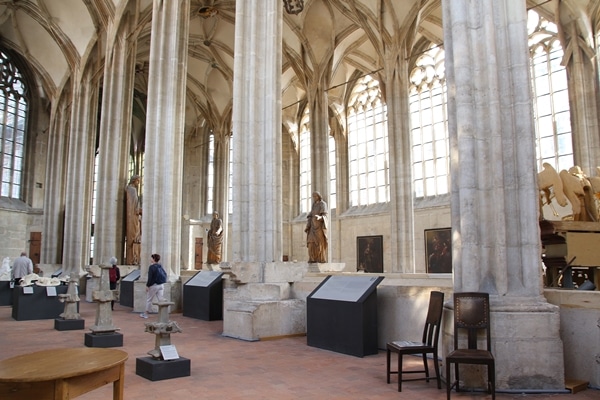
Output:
x=369 y=255
x=438 y=251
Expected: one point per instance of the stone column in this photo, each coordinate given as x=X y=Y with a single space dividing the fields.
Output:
x=54 y=203
x=80 y=180
x=583 y=99
x=257 y=197
x=161 y=221
x=496 y=238
x=221 y=184
x=319 y=141
x=395 y=76
x=113 y=153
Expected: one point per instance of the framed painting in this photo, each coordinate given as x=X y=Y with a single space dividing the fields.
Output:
x=438 y=251
x=369 y=255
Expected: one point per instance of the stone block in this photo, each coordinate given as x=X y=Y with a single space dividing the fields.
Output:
x=260 y=292
x=258 y=320
x=285 y=271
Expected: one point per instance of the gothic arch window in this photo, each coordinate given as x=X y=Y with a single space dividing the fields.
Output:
x=210 y=178
x=368 y=151
x=305 y=178
x=429 y=125
x=332 y=175
x=554 y=143
x=13 y=124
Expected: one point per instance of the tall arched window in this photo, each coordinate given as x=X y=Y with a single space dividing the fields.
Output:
x=210 y=178
x=332 y=175
x=13 y=124
x=554 y=143
x=368 y=144
x=305 y=178
x=429 y=125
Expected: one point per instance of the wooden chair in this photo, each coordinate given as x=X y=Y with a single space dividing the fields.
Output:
x=471 y=314
x=427 y=345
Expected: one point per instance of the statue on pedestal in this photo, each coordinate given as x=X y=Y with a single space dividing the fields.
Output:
x=215 y=240
x=316 y=230
x=133 y=232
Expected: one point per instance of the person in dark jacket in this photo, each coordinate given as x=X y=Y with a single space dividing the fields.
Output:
x=155 y=285
x=114 y=275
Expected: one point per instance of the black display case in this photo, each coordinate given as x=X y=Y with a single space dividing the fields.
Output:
x=6 y=293
x=341 y=315
x=203 y=296
x=126 y=288
x=37 y=302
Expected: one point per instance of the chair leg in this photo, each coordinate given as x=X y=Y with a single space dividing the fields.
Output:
x=437 y=370
x=456 y=377
x=426 y=367
x=388 y=365
x=399 y=372
x=448 y=380
x=492 y=379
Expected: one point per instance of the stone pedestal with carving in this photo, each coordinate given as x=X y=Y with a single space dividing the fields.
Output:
x=104 y=333
x=155 y=367
x=70 y=319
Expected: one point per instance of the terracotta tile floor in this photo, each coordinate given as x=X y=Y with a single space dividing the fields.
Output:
x=225 y=368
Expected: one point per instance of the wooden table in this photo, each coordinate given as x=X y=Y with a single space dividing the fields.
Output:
x=62 y=373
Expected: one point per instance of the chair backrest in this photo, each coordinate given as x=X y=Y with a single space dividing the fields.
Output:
x=431 y=331
x=472 y=313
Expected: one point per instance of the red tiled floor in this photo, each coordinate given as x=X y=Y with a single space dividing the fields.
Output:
x=225 y=368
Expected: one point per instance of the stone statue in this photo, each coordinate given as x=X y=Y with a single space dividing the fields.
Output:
x=316 y=230
x=5 y=270
x=133 y=233
x=215 y=240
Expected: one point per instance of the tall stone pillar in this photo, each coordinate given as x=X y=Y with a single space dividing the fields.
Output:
x=257 y=197
x=319 y=139
x=401 y=186
x=54 y=208
x=496 y=238
x=583 y=98
x=163 y=177
x=221 y=184
x=113 y=153
x=80 y=181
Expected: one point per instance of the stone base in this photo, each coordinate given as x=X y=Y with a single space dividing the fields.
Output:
x=255 y=320
x=524 y=333
x=157 y=370
x=61 y=324
x=103 y=340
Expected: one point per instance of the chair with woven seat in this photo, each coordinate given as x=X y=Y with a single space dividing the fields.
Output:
x=471 y=314
x=427 y=345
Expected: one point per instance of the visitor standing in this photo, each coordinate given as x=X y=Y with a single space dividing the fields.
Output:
x=155 y=285
x=21 y=267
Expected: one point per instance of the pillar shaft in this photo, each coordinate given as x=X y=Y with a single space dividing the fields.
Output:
x=257 y=197
x=161 y=221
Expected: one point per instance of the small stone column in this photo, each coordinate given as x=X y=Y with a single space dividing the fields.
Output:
x=104 y=333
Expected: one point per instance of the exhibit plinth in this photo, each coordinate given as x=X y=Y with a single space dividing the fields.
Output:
x=126 y=288
x=37 y=302
x=157 y=370
x=104 y=340
x=203 y=296
x=6 y=293
x=341 y=315
x=61 y=324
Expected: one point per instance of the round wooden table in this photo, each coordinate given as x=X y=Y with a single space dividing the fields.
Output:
x=62 y=373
